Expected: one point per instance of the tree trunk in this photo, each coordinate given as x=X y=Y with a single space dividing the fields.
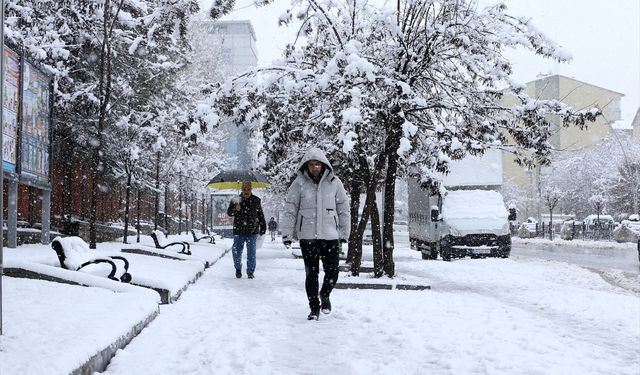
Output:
x=104 y=95
x=127 y=201
x=166 y=209
x=180 y=205
x=157 y=193
x=378 y=257
x=357 y=251
x=388 y=244
x=391 y=154
x=355 y=205
x=392 y=145
x=204 y=216
x=138 y=216
x=105 y=72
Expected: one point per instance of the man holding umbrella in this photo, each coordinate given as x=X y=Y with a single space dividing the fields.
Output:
x=248 y=222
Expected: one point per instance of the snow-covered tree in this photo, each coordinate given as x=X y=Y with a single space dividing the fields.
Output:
x=551 y=197
x=606 y=170
x=398 y=91
x=115 y=66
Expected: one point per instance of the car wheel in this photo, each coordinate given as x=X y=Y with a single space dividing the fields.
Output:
x=446 y=253
x=434 y=253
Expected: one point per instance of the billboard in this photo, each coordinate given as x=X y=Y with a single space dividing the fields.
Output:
x=221 y=223
x=34 y=143
x=10 y=107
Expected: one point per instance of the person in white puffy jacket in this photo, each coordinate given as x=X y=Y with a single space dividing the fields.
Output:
x=316 y=212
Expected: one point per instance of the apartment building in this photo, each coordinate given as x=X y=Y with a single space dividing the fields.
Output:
x=222 y=50
x=635 y=126
x=579 y=95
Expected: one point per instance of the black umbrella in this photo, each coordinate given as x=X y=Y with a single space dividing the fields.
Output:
x=233 y=179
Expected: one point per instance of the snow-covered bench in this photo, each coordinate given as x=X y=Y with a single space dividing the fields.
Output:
x=196 y=239
x=74 y=254
x=158 y=236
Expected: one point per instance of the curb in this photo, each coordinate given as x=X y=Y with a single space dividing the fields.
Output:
x=99 y=361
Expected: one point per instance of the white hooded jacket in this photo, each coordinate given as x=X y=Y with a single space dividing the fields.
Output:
x=316 y=210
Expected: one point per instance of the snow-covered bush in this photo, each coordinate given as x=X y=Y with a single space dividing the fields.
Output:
x=627 y=231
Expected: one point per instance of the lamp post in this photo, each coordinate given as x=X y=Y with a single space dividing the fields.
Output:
x=2 y=171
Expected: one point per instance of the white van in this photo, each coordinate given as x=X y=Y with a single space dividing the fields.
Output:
x=462 y=223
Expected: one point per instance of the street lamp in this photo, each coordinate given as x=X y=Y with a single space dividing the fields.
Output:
x=1 y=172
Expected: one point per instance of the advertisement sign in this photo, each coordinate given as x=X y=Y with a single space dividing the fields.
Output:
x=220 y=205
x=221 y=223
x=35 y=124
x=10 y=109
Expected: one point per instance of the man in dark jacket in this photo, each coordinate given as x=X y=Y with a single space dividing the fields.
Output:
x=247 y=223
x=273 y=227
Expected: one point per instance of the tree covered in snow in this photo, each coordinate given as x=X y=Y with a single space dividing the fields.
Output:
x=624 y=192
x=118 y=96
x=608 y=171
x=397 y=92
x=551 y=197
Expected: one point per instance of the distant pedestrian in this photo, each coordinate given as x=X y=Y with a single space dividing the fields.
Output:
x=273 y=227
x=317 y=213
x=248 y=222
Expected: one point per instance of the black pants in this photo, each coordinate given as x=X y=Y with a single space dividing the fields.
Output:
x=312 y=252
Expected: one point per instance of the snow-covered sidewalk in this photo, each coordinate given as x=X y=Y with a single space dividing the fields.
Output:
x=490 y=316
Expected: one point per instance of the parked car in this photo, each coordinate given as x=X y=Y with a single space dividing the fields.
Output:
x=528 y=228
x=601 y=220
x=530 y=223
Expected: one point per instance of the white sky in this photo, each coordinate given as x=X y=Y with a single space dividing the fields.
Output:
x=602 y=35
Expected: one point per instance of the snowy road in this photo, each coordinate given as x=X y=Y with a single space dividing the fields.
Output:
x=492 y=316
x=603 y=259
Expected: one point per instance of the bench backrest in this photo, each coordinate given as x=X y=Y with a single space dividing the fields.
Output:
x=158 y=238
x=72 y=252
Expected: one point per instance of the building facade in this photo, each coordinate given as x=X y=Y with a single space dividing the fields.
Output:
x=635 y=126
x=579 y=95
x=224 y=49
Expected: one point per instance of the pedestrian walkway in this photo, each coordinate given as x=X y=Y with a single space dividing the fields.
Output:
x=491 y=316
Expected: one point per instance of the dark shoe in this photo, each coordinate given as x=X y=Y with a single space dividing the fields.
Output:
x=313 y=315
x=250 y=275
x=326 y=305
x=238 y=274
